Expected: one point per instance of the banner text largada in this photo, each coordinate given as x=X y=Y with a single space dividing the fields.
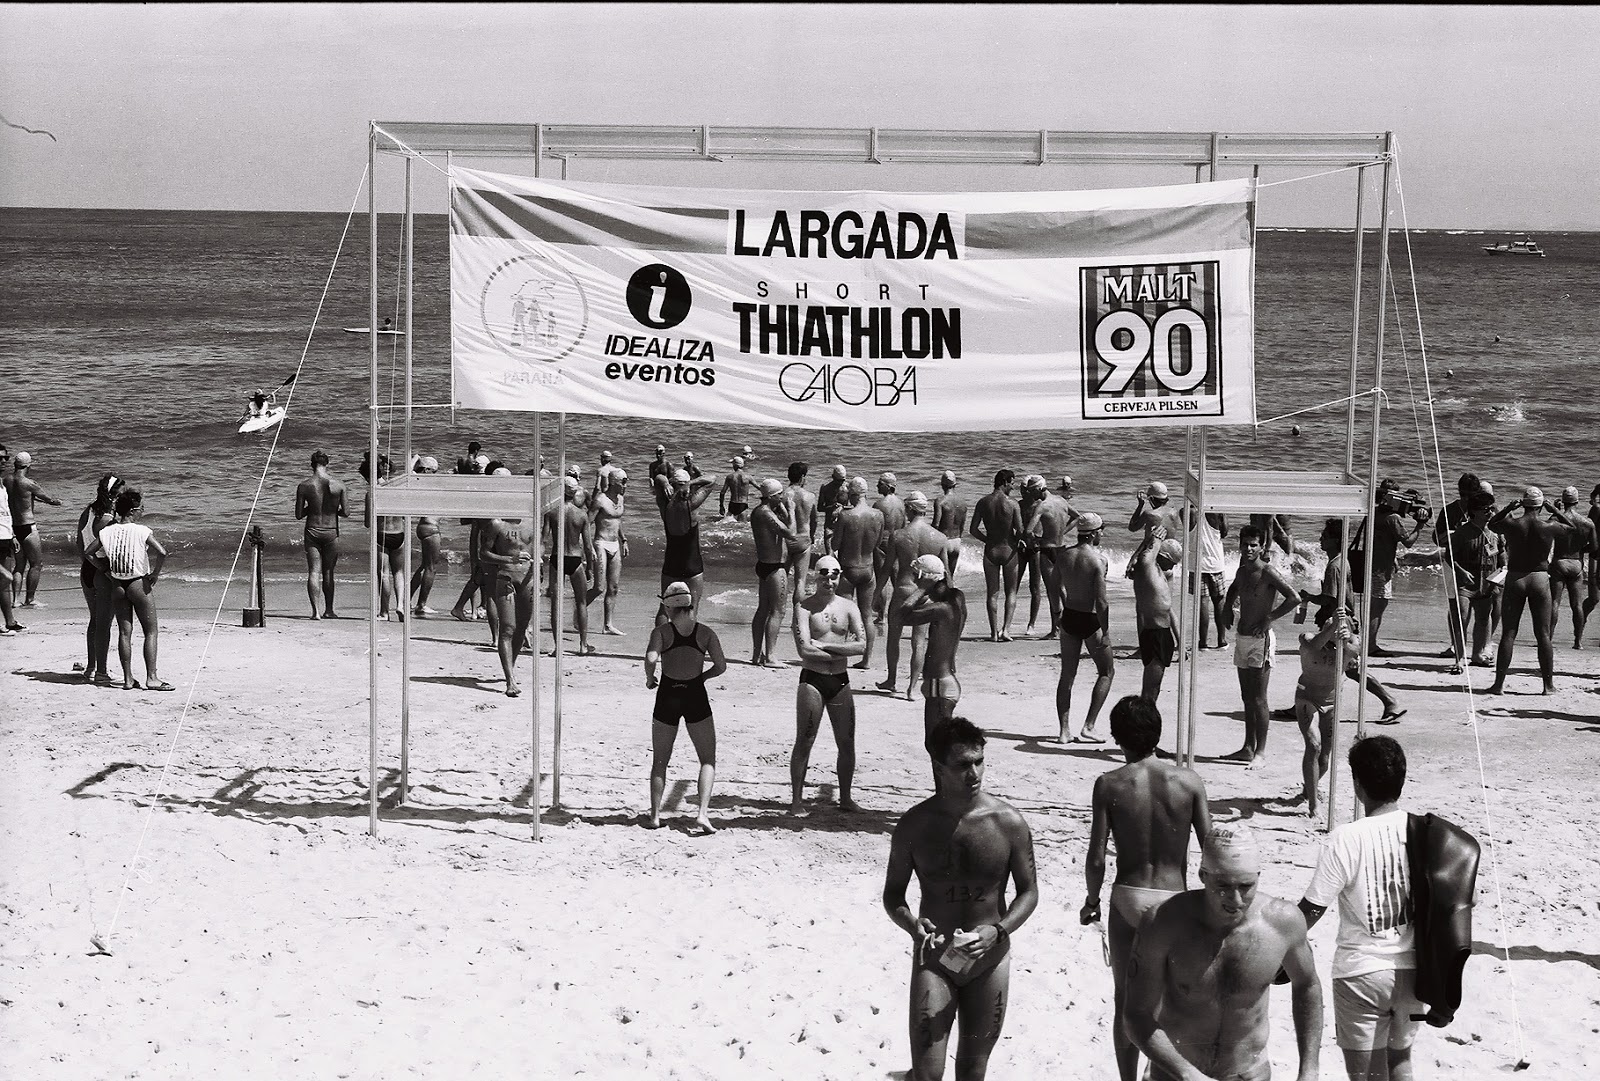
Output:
x=885 y=311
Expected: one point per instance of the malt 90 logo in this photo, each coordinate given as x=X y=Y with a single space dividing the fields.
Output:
x=1150 y=333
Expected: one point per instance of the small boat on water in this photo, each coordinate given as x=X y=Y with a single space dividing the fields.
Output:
x=1523 y=245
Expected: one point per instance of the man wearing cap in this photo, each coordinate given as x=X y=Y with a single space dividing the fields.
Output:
x=950 y=518
x=773 y=532
x=1034 y=492
x=733 y=500
x=1203 y=964
x=803 y=515
x=965 y=846
x=660 y=473
x=1052 y=523
x=506 y=568
x=682 y=646
x=1085 y=622
x=21 y=491
x=681 y=561
x=1154 y=510
x=577 y=553
x=320 y=501
x=1148 y=808
x=916 y=539
x=942 y=608
x=429 y=543
x=1150 y=567
x=689 y=467
x=610 y=543
x=1529 y=540
x=1567 y=565
x=602 y=476
x=1254 y=587
x=858 y=540
x=894 y=519
x=997 y=523
x=828 y=631
x=831 y=503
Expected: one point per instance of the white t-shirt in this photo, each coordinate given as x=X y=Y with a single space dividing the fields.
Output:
x=1210 y=548
x=7 y=531
x=1363 y=867
x=126 y=551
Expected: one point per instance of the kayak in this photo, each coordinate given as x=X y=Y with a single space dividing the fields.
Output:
x=368 y=330
x=266 y=420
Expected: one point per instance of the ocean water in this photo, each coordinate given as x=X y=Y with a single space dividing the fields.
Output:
x=129 y=339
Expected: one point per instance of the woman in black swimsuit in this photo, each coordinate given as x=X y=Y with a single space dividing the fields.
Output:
x=681 y=647
x=681 y=562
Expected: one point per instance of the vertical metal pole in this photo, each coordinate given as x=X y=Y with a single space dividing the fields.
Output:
x=449 y=161
x=558 y=581
x=372 y=460
x=1185 y=661
x=1200 y=509
x=1355 y=325
x=537 y=779
x=1377 y=413
x=1342 y=592
x=403 y=603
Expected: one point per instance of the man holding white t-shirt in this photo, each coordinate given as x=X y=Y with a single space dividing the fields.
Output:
x=1363 y=867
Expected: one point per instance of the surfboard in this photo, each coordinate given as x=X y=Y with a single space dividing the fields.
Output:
x=368 y=330
x=269 y=419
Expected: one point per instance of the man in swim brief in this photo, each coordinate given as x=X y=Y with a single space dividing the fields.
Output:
x=320 y=501
x=1084 y=620
x=997 y=524
x=773 y=532
x=828 y=631
x=858 y=538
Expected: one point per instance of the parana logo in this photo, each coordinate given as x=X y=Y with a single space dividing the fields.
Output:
x=534 y=310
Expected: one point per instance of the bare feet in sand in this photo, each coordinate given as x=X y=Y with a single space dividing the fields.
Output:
x=1243 y=754
x=702 y=828
x=609 y=629
x=1088 y=736
x=849 y=805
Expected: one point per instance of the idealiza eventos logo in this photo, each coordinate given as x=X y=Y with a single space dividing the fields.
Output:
x=659 y=298
x=533 y=309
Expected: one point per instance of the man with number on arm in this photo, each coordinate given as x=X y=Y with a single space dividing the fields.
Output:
x=963 y=845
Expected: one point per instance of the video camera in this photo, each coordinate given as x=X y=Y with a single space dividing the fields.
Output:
x=1410 y=502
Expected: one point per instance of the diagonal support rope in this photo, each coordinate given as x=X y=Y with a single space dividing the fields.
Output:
x=216 y=619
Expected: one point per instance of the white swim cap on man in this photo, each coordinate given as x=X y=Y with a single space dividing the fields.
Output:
x=677 y=595
x=502 y=471
x=1090 y=523
x=738 y=462
x=22 y=460
x=771 y=487
x=947 y=477
x=1569 y=496
x=887 y=478
x=1155 y=490
x=1065 y=485
x=828 y=563
x=858 y=484
x=660 y=449
x=1532 y=498
x=928 y=568
x=839 y=472
x=1231 y=850
x=1172 y=550
x=680 y=476
x=605 y=456
x=1033 y=482
x=918 y=502
x=619 y=475
x=428 y=464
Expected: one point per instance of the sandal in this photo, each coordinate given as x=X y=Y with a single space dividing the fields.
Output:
x=162 y=686
x=1392 y=717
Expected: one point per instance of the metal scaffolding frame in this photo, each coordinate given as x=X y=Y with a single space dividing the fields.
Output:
x=1343 y=494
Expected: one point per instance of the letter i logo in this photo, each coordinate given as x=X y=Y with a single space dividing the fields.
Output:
x=659 y=297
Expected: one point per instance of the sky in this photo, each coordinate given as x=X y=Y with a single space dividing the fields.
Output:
x=266 y=107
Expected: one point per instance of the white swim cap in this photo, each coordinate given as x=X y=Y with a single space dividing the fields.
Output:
x=1231 y=849
x=928 y=568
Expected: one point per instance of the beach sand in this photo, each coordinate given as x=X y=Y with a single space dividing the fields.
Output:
x=264 y=934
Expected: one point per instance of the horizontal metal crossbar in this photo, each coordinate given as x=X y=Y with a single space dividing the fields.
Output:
x=1327 y=495
x=879 y=145
x=461 y=496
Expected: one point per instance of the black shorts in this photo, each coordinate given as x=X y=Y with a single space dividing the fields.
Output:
x=393 y=542
x=86 y=572
x=1159 y=644
x=736 y=509
x=765 y=570
x=1083 y=625
x=24 y=530
x=8 y=548
x=682 y=700
x=828 y=684
x=570 y=565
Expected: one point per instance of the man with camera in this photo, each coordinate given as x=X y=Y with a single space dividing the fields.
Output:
x=1388 y=537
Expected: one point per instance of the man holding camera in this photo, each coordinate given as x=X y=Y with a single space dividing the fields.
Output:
x=1388 y=537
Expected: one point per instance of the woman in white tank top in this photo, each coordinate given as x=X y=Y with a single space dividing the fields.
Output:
x=125 y=549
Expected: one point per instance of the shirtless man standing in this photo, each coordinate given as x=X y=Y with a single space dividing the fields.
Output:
x=942 y=608
x=319 y=499
x=858 y=538
x=1034 y=494
x=21 y=491
x=1084 y=621
x=1567 y=565
x=611 y=543
x=950 y=518
x=1149 y=808
x=1150 y=567
x=915 y=539
x=506 y=568
x=681 y=562
x=1051 y=524
x=997 y=523
x=1203 y=964
x=831 y=502
x=828 y=631
x=1154 y=509
x=578 y=552
x=1529 y=540
x=803 y=517
x=773 y=532
x=734 y=498
x=1254 y=587
x=963 y=845
x=894 y=519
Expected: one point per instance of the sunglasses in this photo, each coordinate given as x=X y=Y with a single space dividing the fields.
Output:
x=830 y=573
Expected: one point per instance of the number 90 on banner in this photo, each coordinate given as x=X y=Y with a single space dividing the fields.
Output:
x=1151 y=341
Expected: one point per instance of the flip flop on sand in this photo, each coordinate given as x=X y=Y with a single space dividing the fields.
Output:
x=162 y=686
x=1392 y=717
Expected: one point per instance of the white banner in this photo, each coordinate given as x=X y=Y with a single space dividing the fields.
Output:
x=871 y=311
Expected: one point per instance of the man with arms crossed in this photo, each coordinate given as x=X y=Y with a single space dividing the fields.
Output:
x=997 y=523
x=1363 y=867
x=1150 y=567
x=950 y=518
x=963 y=845
x=1149 y=808
x=1203 y=964
x=915 y=539
x=828 y=631
x=858 y=542
x=942 y=608
x=21 y=491
x=1084 y=619
x=770 y=525
x=1253 y=642
x=611 y=543
x=319 y=499
x=803 y=519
